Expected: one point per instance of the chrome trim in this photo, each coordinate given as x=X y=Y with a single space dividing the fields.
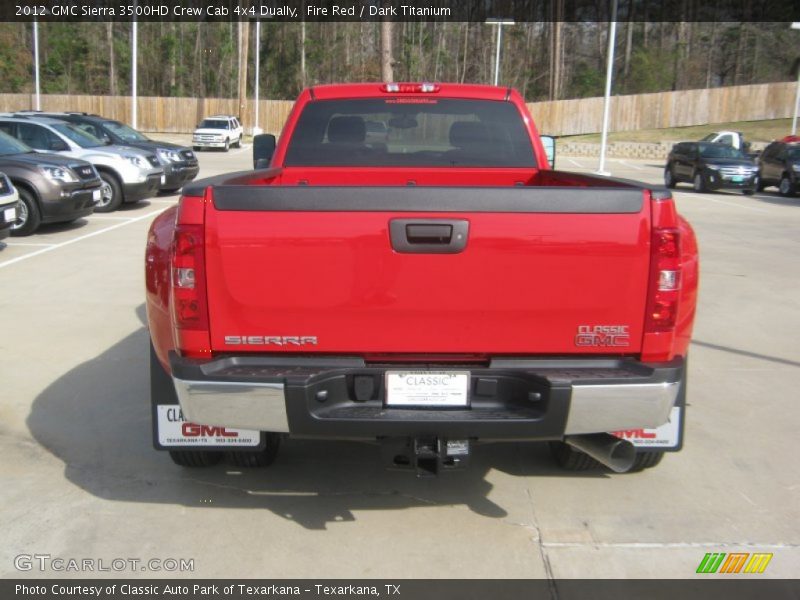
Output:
x=596 y=408
x=260 y=406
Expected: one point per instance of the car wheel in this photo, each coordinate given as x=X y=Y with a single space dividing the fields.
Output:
x=786 y=187
x=110 y=194
x=759 y=184
x=227 y=145
x=669 y=178
x=699 y=183
x=28 y=216
x=261 y=458
x=195 y=458
x=239 y=142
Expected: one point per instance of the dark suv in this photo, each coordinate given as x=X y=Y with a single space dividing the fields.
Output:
x=51 y=187
x=179 y=162
x=779 y=165
x=710 y=166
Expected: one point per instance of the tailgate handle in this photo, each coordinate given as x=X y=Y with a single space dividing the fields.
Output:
x=429 y=236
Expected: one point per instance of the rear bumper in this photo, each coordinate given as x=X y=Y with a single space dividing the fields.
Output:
x=511 y=399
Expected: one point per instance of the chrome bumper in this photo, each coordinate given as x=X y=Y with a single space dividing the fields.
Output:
x=592 y=408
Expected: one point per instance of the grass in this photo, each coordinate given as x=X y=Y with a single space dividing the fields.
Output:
x=754 y=131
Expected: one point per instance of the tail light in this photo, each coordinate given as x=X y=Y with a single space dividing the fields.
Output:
x=189 y=298
x=664 y=289
x=665 y=280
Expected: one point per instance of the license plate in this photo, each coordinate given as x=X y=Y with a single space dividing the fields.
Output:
x=10 y=214
x=737 y=179
x=666 y=436
x=96 y=195
x=175 y=430
x=427 y=388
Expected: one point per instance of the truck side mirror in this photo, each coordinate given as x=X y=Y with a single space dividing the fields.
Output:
x=549 y=143
x=263 y=149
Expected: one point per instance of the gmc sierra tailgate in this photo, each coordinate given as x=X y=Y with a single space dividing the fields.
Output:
x=422 y=270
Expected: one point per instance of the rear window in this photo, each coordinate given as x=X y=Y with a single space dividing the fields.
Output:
x=410 y=132
x=213 y=124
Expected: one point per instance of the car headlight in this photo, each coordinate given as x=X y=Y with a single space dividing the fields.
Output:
x=59 y=174
x=167 y=155
x=713 y=167
x=137 y=161
x=796 y=167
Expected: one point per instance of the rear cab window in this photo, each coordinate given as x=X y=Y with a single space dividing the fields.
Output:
x=410 y=132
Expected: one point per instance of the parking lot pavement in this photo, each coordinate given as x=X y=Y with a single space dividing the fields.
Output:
x=81 y=480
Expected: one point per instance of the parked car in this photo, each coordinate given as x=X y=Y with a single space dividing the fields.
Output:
x=129 y=174
x=779 y=165
x=358 y=292
x=710 y=166
x=218 y=131
x=52 y=188
x=179 y=162
x=9 y=203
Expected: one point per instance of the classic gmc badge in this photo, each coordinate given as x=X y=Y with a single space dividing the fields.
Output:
x=603 y=335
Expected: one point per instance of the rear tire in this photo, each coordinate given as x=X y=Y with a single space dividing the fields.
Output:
x=646 y=460
x=570 y=459
x=786 y=187
x=258 y=459
x=759 y=184
x=28 y=216
x=699 y=183
x=110 y=194
x=193 y=459
x=239 y=142
x=669 y=178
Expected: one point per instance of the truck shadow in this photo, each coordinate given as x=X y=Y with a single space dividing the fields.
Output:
x=96 y=419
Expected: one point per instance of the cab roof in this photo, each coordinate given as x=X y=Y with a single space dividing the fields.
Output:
x=377 y=90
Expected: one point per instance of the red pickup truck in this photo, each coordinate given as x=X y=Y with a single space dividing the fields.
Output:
x=409 y=270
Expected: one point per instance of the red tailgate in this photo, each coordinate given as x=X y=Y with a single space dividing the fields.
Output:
x=318 y=265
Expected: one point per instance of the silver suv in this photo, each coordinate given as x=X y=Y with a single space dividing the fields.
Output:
x=128 y=174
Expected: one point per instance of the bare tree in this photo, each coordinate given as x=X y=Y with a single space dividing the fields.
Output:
x=387 y=56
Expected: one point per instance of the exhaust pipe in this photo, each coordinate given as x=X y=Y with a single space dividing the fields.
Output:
x=613 y=452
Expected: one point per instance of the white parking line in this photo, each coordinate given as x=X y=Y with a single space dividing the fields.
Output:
x=96 y=217
x=710 y=198
x=79 y=239
x=632 y=166
x=574 y=162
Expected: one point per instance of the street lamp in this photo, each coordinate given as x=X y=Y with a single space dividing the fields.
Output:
x=499 y=23
x=612 y=34
x=796 y=25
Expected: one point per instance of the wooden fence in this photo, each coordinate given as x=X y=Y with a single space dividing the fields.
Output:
x=561 y=117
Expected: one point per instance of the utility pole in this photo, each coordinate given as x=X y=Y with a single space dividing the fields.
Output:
x=796 y=25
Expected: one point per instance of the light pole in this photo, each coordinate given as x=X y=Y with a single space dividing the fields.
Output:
x=36 y=62
x=612 y=34
x=796 y=25
x=256 y=128
x=134 y=52
x=499 y=23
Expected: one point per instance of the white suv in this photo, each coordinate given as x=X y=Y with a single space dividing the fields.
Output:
x=218 y=131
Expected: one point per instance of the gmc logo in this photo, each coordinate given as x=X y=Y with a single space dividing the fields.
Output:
x=193 y=430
